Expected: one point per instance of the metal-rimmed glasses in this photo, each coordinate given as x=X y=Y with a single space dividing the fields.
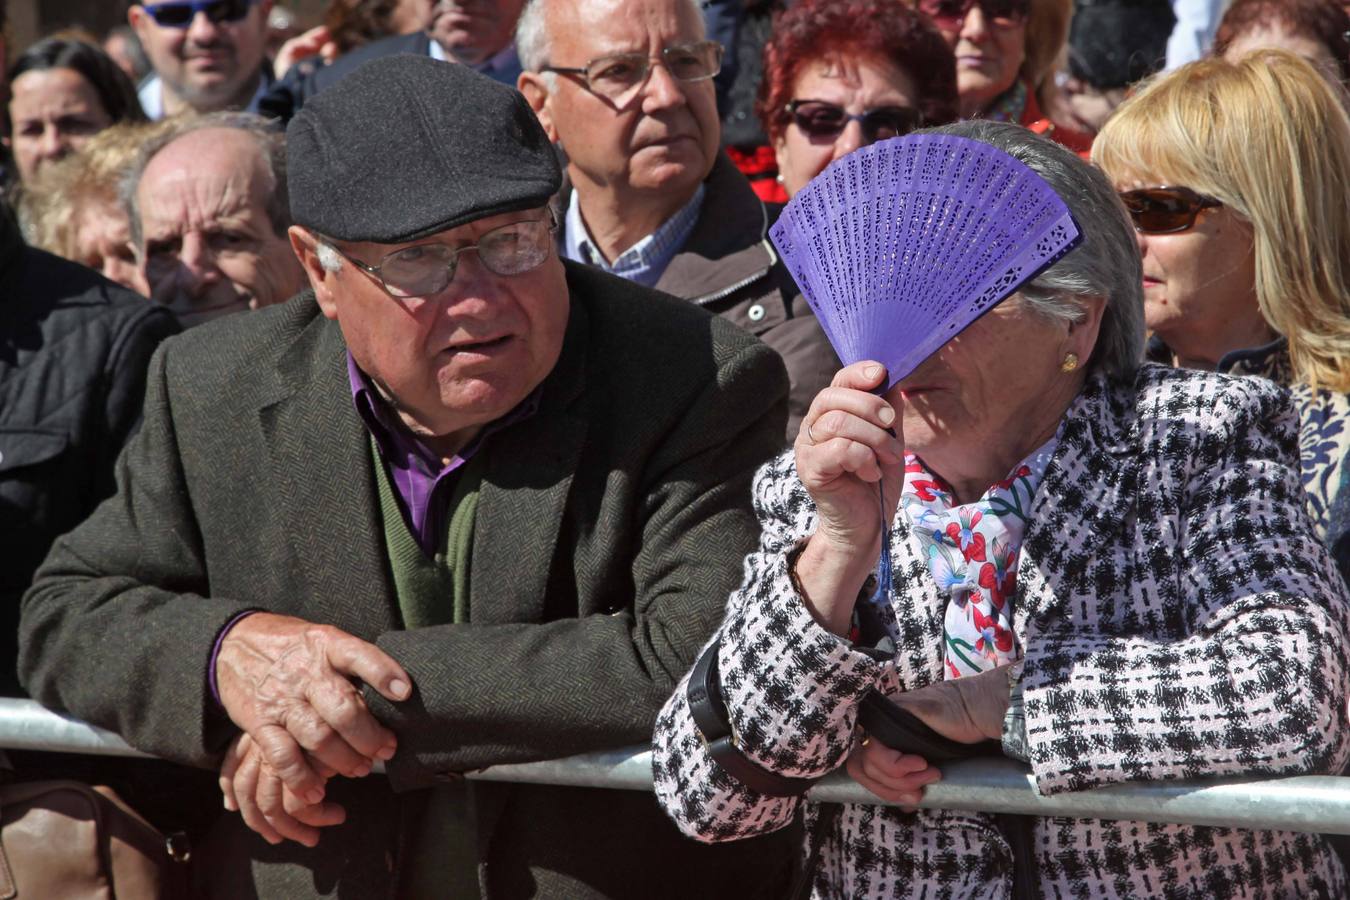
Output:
x=822 y=119
x=180 y=15
x=617 y=77
x=423 y=270
x=1166 y=209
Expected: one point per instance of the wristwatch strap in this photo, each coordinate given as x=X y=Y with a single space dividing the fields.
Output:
x=713 y=722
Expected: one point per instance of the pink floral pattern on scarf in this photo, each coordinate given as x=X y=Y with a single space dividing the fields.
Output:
x=972 y=552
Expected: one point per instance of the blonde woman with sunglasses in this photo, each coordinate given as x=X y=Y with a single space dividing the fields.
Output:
x=1237 y=175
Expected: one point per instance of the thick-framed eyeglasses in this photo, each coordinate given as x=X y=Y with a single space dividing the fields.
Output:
x=426 y=269
x=951 y=13
x=819 y=119
x=617 y=77
x=180 y=15
x=1165 y=210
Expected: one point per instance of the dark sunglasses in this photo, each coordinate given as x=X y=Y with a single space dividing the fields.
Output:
x=180 y=15
x=1165 y=210
x=1004 y=12
x=826 y=120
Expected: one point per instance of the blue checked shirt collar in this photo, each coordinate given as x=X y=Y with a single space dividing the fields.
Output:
x=643 y=263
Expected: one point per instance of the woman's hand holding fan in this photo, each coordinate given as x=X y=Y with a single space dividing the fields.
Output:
x=849 y=441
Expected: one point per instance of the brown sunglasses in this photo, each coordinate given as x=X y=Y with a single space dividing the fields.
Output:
x=1165 y=210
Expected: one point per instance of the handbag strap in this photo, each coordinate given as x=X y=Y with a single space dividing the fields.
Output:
x=709 y=711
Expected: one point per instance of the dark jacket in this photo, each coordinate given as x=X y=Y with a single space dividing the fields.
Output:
x=729 y=268
x=74 y=348
x=304 y=79
x=610 y=530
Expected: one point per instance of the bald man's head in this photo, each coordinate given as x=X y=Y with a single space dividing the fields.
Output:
x=207 y=233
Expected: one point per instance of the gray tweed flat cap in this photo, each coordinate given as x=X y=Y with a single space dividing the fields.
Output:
x=407 y=146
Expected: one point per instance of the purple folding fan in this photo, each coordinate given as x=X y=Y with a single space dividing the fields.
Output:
x=900 y=245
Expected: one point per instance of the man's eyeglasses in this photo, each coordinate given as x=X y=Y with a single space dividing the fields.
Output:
x=617 y=77
x=819 y=119
x=952 y=12
x=1165 y=210
x=180 y=15
x=423 y=270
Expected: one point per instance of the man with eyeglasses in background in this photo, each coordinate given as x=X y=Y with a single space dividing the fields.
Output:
x=625 y=89
x=207 y=55
x=460 y=504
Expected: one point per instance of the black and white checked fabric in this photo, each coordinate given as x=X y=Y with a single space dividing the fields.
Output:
x=1180 y=619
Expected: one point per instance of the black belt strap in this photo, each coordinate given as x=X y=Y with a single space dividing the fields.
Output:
x=714 y=725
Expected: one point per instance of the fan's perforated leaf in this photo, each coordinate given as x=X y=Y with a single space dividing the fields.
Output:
x=900 y=245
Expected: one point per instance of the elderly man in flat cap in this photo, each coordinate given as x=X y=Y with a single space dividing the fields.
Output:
x=460 y=504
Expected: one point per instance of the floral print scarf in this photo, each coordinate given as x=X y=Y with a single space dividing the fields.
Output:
x=971 y=551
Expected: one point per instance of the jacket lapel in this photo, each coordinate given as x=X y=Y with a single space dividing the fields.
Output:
x=1089 y=491
x=320 y=462
x=529 y=474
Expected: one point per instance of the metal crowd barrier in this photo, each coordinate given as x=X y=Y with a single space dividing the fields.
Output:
x=1314 y=803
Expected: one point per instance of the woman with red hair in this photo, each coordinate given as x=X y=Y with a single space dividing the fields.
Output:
x=831 y=86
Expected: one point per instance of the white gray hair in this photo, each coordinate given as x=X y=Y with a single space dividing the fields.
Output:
x=1105 y=265
x=532 y=44
x=329 y=258
x=532 y=39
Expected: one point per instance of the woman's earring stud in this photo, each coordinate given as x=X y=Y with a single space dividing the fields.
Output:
x=1070 y=362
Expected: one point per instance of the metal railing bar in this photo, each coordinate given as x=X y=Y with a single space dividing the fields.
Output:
x=1312 y=803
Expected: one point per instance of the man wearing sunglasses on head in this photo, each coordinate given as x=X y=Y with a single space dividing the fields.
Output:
x=625 y=89
x=460 y=504
x=207 y=55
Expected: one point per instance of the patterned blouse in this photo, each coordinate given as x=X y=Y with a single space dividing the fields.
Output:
x=1324 y=437
x=1179 y=619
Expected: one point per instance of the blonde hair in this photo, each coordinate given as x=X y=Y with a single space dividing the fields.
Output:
x=1269 y=137
x=50 y=206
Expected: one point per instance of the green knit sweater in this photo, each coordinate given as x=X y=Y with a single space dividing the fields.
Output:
x=443 y=861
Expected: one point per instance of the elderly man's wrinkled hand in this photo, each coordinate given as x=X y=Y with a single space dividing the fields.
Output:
x=290 y=685
x=849 y=441
x=253 y=790
x=891 y=775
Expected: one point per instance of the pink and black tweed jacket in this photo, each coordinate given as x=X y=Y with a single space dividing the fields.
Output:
x=1179 y=618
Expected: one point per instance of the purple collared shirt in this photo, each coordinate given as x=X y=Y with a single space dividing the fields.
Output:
x=421 y=481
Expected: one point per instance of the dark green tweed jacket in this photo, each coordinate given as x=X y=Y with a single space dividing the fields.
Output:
x=611 y=528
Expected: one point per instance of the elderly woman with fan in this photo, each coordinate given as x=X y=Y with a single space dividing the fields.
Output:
x=1006 y=535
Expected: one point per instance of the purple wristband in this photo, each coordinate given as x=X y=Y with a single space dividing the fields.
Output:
x=215 y=654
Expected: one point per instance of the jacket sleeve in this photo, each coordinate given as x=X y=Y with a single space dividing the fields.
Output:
x=811 y=361
x=1256 y=684
x=116 y=628
x=125 y=373
x=791 y=687
x=514 y=692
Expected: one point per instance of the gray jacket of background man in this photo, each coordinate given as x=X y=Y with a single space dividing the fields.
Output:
x=610 y=529
x=729 y=268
